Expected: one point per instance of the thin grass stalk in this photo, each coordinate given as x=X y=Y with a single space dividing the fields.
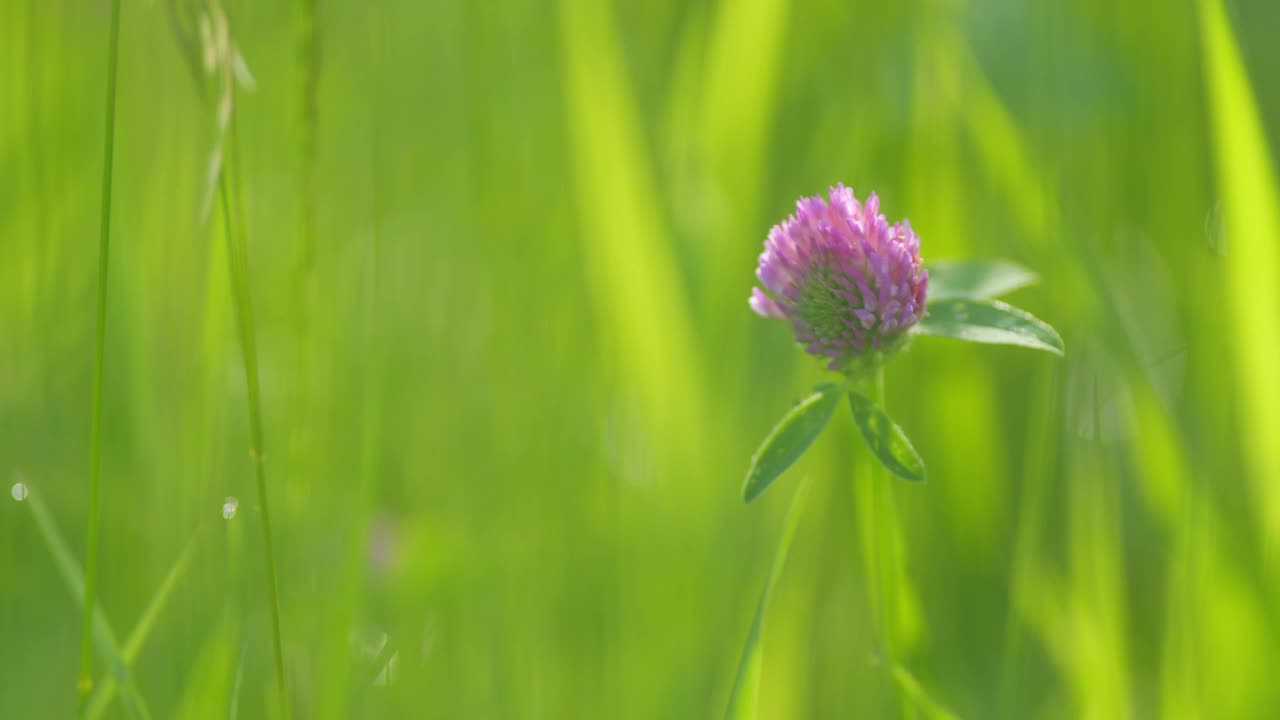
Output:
x=234 y=608
x=308 y=49
x=881 y=535
x=307 y=46
x=239 y=271
x=308 y=59
x=84 y=683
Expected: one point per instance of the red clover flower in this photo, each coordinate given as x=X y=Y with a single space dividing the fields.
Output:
x=850 y=284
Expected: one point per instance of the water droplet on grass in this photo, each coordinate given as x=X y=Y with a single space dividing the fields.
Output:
x=19 y=492
x=229 y=507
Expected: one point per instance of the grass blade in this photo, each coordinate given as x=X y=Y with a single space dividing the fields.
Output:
x=85 y=682
x=633 y=271
x=746 y=685
x=991 y=322
x=307 y=44
x=789 y=439
x=737 y=118
x=1250 y=194
x=239 y=270
x=140 y=631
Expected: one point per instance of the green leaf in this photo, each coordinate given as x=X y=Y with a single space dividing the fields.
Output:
x=976 y=279
x=886 y=439
x=744 y=697
x=989 y=321
x=790 y=438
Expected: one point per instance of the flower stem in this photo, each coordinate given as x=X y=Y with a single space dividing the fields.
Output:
x=881 y=537
x=239 y=270
x=84 y=683
x=879 y=516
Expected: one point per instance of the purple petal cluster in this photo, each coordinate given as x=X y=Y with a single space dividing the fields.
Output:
x=849 y=283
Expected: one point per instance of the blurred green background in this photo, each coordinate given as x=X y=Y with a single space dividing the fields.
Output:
x=500 y=254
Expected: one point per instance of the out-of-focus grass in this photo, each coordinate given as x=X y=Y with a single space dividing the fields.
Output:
x=511 y=383
x=744 y=698
x=1251 y=231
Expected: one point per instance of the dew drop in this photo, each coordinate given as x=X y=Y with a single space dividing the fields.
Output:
x=19 y=492
x=229 y=507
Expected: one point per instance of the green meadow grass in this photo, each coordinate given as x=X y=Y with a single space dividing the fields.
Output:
x=500 y=384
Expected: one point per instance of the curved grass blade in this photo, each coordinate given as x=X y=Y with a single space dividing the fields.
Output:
x=88 y=604
x=886 y=439
x=989 y=321
x=746 y=685
x=977 y=279
x=103 y=637
x=790 y=438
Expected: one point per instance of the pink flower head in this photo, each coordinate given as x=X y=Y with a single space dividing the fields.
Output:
x=849 y=283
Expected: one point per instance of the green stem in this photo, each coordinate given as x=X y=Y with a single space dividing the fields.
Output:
x=880 y=539
x=238 y=265
x=308 y=50
x=880 y=516
x=84 y=684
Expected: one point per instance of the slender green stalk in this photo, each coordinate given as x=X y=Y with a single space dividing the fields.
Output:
x=880 y=516
x=308 y=49
x=84 y=684
x=881 y=535
x=234 y=608
x=239 y=270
